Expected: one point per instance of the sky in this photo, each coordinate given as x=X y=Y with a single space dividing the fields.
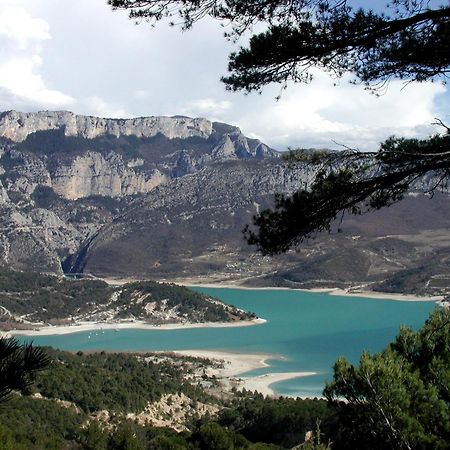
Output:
x=78 y=55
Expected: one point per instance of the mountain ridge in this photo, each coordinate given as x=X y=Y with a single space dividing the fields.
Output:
x=77 y=156
x=174 y=208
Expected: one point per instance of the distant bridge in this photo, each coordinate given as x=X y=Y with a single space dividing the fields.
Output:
x=77 y=275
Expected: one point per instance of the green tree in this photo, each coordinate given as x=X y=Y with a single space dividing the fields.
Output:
x=213 y=436
x=93 y=437
x=399 y=398
x=409 y=40
x=18 y=365
x=7 y=441
x=127 y=436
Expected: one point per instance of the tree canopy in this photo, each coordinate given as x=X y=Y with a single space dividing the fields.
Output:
x=399 y=398
x=407 y=40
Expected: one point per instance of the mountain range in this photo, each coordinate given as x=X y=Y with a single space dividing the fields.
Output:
x=167 y=198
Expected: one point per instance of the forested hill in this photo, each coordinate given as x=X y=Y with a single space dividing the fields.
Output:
x=28 y=299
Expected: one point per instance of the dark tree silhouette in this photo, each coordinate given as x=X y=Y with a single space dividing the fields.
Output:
x=349 y=181
x=409 y=40
x=19 y=364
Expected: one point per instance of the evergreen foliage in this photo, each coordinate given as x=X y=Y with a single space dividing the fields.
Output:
x=46 y=298
x=407 y=40
x=399 y=398
x=396 y=399
x=198 y=307
x=117 y=382
x=283 y=421
x=35 y=424
x=352 y=182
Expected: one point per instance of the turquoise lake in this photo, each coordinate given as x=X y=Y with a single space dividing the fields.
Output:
x=307 y=330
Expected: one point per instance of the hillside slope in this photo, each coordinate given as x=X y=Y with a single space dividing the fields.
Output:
x=167 y=198
x=31 y=300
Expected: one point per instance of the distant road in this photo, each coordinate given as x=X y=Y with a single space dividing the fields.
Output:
x=4 y=312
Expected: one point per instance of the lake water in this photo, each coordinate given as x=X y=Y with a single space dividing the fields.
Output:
x=307 y=330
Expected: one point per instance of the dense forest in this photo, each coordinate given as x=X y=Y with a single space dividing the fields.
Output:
x=394 y=399
x=33 y=423
x=65 y=409
x=117 y=382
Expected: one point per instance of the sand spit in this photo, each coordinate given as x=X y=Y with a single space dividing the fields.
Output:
x=100 y=326
x=263 y=383
x=235 y=365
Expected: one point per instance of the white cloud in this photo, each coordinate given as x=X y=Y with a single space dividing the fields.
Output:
x=321 y=113
x=18 y=25
x=22 y=86
x=207 y=107
x=142 y=94
x=99 y=107
x=21 y=82
x=97 y=62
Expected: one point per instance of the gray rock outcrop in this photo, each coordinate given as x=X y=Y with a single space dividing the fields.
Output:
x=16 y=126
x=93 y=174
x=63 y=177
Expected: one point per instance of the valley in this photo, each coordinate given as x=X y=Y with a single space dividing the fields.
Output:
x=224 y=225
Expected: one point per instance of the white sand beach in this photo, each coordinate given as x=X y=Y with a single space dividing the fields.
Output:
x=385 y=296
x=96 y=326
x=236 y=364
x=351 y=292
x=263 y=383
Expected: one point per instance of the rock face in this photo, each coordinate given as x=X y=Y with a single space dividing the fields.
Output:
x=3 y=195
x=94 y=174
x=80 y=156
x=167 y=197
x=17 y=126
x=63 y=177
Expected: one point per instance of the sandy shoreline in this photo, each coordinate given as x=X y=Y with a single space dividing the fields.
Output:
x=386 y=296
x=330 y=291
x=263 y=383
x=99 y=326
x=236 y=364
x=95 y=326
x=237 y=284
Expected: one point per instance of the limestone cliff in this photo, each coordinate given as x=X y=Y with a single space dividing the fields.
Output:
x=80 y=156
x=93 y=174
x=16 y=126
x=63 y=176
